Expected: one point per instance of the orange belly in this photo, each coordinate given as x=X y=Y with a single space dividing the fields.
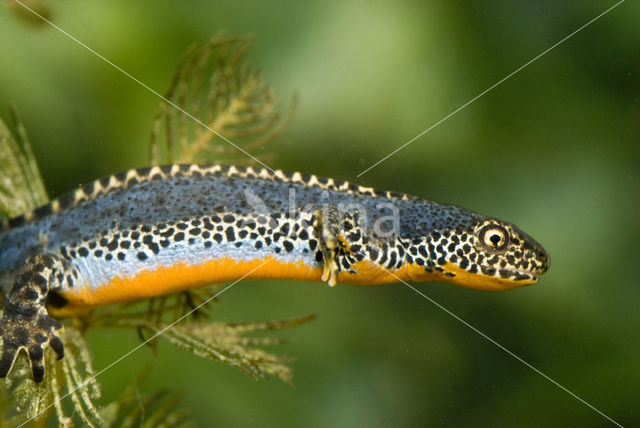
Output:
x=181 y=276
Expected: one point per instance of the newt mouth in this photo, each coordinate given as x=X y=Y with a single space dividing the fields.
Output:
x=510 y=274
x=518 y=275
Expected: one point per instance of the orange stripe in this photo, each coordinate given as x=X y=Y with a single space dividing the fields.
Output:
x=182 y=276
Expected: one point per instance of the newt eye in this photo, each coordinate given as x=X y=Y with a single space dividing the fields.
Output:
x=494 y=237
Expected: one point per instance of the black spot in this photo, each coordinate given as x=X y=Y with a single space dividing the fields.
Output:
x=207 y=244
x=373 y=252
x=488 y=270
x=111 y=246
x=354 y=236
x=121 y=175
x=43 y=211
x=104 y=181
x=345 y=264
x=142 y=256
x=148 y=240
x=285 y=229
x=505 y=273
x=217 y=237
x=287 y=245
x=229 y=233
x=66 y=200
x=228 y=218
x=167 y=233
x=493 y=260
x=121 y=256
x=83 y=252
x=179 y=237
x=55 y=300
x=182 y=226
x=392 y=259
x=108 y=257
x=195 y=231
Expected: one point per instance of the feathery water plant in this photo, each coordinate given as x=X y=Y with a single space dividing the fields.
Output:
x=238 y=104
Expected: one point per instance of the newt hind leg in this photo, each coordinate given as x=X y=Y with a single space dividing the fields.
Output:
x=26 y=323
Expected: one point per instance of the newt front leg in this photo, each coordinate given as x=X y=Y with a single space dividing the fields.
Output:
x=26 y=323
x=334 y=229
x=328 y=228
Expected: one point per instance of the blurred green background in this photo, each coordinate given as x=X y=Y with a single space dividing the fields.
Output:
x=554 y=149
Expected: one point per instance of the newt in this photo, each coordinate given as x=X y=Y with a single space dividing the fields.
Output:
x=159 y=230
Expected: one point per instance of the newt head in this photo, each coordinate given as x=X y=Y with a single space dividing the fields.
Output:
x=489 y=254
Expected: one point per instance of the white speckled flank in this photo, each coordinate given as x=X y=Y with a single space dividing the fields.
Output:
x=155 y=217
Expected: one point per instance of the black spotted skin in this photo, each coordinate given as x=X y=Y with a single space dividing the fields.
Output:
x=149 y=219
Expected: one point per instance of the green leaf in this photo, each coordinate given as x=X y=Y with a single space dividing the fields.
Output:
x=21 y=186
x=221 y=93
